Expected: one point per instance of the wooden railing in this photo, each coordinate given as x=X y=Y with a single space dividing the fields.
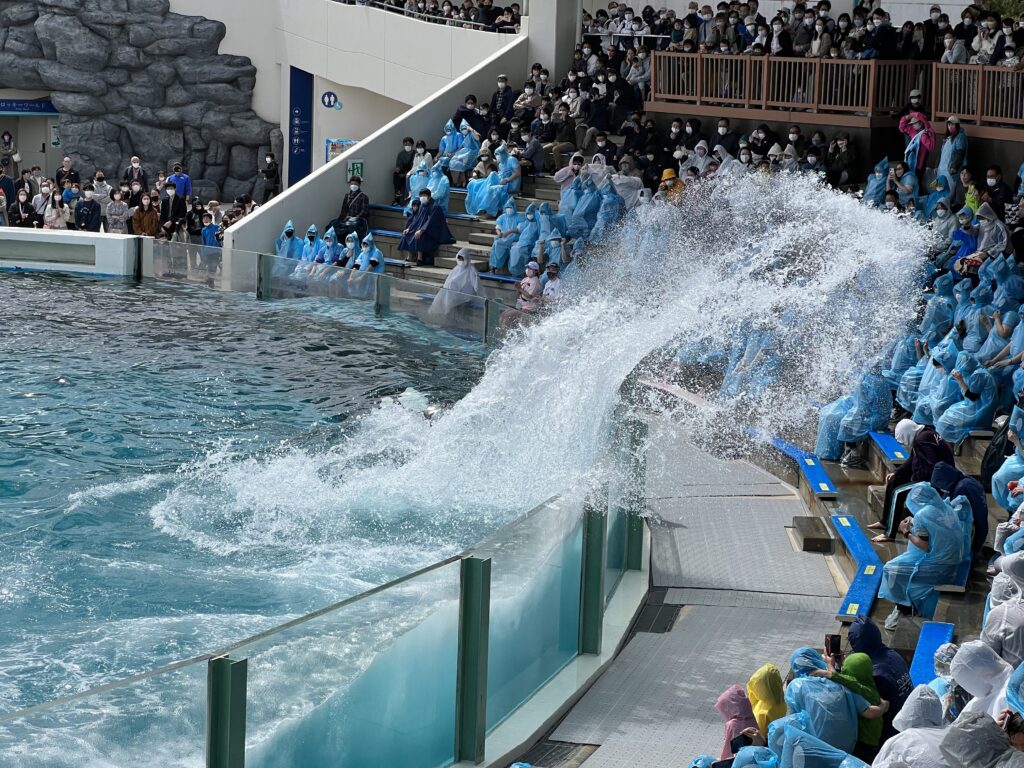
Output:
x=870 y=88
x=978 y=95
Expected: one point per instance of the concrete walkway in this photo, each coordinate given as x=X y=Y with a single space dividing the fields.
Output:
x=722 y=551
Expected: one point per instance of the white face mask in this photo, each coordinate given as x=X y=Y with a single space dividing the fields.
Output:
x=811 y=160
x=777 y=28
x=935 y=15
x=678 y=154
x=722 y=130
x=421 y=151
x=354 y=187
x=941 y=213
x=794 y=136
x=992 y=182
x=136 y=165
x=269 y=160
x=601 y=143
x=890 y=204
x=88 y=194
x=44 y=190
x=170 y=192
x=528 y=91
x=744 y=159
x=424 y=199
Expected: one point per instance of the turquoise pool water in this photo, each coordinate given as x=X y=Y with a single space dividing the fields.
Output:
x=167 y=460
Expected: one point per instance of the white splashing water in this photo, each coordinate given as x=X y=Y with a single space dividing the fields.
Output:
x=836 y=279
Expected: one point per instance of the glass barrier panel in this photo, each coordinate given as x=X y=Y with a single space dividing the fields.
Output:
x=160 y=720
x=461 y=314
x=615 y=534
x=536 y=570
x=203 y=265
x=369 y=683
x=292 y=279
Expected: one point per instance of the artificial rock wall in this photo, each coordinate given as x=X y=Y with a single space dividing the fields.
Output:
x=130 y=78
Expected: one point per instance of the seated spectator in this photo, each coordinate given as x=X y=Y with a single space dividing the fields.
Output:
x=426 y=232
x=950 y=482
x=530 y=153
x=903 y=182
x=464 y=159
x=521 y=252
x=528 y=102
x=1003 y=630
x=287 y=245
x=978 y=403
x=461 y=287
x=847 y=422
x=997 y=193
x=439 y=186
x=831 y=709
x=734 y=707
x=369 y=261
x=937 y=545
x=450 y=142
x=311 y=245
x=984 y=675
x=891 y=675
x=926 y=450
x=921 y=730
x=564 y=141
x=874 y=190
x=508 y=227
x=488 y=195
x=767 y=697
x=993 y=234
x=355 y=211
x=855 y=674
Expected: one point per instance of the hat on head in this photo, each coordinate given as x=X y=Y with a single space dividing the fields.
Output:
x=534 y=266
x=953 y=119
x=914 y=93
x=553 y=265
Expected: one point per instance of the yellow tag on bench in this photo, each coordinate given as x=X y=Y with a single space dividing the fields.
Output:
x=869 y=570
x=823 y=487
x=810 y=461
x=898 y=454
x=852 y=610
x=844 y=521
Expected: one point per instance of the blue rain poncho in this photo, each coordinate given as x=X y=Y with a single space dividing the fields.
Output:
x=609 y=212
x=960 y=418
x=964 y=242
x=552 y=225
x=369 y=259
x=871 y=408
x=753 y=366
x=510 y=222
x=508 y=166
x=938 y=315
x=450 y=142
x=570 y=195
x=489 y=194
x=311 y=244
x=521 y=253
x=831 y=709
x=904 y=357
x=980 y=306
x=996 y=342
x=465 y=158
x=329 y=253
x=962 y=296
x=924 y=206
x=950 y=146
x=874 y=190
x=907 y=179
x=1012 y=468
x=1009 y=284
x=755 y=757
x=828 y=446
x=805 y=750
x=910 y=579
x=1015 y=688
x=937 y=391
x=350 y=252
x=439 y=186
x=702 y=761
x=584 y=215
x=417 y=181
x=908 y=392
x=288 y=247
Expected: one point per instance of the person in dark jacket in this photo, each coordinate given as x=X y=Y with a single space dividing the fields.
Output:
x=272 y=175
x=355 y=210
x=88 y=212
x=892 y=678
x=21 y=212
x=926 y=450
x=172 y=211
x=951 y=482
x=502 y=101
x=693 y=134
x=403 y=165
x=6 y=185
x=427 y=231
x=997 y=192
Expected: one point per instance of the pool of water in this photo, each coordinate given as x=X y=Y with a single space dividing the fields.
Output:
x=166 y=462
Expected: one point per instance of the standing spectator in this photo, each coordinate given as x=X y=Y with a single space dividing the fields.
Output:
x=27 y=183
x=39 y=202
x=781 y=40
x=355 y=210
x=403 y=166
x=135 y=173
x=146 y=219
x=6 y=185
x=954 y=151
x=55 y=213
x=172 y=211
x=954 y=49
x=922 y=141
x=966 y=30
x=194 y=221
x=117 y=214
x=72 y=194
x=182 y=183
x=882 y=41
x=88 y=214
x=272 y=177
x=9 y=156
x=67 y=172
x=21 y=212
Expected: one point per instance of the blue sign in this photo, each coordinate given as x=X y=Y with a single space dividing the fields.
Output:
x=27 y=107
x=300 y=125
x=329 y=99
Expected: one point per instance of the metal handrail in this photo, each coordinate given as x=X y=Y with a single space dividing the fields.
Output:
x=384 y=6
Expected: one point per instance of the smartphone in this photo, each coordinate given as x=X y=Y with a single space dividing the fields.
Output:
x=739 y=742
x=833 y=645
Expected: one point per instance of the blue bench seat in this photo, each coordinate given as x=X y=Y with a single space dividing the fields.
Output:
x=863 y=590
x=894 y=453
x=933 y=634
x=810 y=467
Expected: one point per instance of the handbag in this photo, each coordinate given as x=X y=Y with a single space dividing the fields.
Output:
x=16 y=157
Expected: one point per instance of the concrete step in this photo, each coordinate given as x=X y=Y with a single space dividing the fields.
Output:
x=482 y=238
x=876 y=501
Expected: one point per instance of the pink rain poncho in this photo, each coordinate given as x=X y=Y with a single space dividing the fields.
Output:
x=735 y=709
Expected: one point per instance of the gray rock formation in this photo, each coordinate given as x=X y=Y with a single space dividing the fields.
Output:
x=130 y=78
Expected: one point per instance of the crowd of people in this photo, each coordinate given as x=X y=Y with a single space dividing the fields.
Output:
x=977 y=36
x=156 y=204
x=483 y=15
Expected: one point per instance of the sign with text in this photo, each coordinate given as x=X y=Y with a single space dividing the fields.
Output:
x=335 y=147
x=27 y=107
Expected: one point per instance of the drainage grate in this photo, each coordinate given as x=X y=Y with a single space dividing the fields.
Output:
x=656 y=617
x=558 y=754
